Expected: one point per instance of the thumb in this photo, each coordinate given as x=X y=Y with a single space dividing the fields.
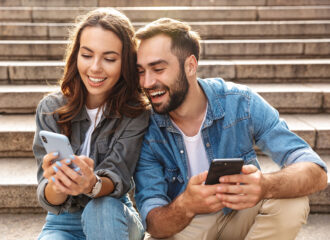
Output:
x=247 y=169
x=198 y=179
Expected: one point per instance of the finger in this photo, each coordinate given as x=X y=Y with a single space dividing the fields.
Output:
x=198 y=179
x=66 y=181
x=51 y=170
x=85 y=164
x=59 y=187
x=233 y=189
x=233 y=198
x=72 y=174
x=48 y=159
x=248 y=169
x=236 y=178
x=87 y=160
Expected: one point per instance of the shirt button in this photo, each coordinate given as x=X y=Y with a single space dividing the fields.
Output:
x=181 y=151
x=208 y=145
x=173 y=179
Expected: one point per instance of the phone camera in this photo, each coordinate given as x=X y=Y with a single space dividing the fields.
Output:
x=44 y=139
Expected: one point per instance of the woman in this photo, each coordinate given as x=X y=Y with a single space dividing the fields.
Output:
x=102 y=112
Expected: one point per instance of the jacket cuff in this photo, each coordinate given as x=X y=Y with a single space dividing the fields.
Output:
x=305 y=155
x=118 y=190
x=148 y=205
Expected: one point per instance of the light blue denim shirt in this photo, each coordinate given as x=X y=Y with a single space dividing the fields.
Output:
x=236 y=120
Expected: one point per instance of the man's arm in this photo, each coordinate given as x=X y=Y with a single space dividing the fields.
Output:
x=198 y=198
x=296 y=180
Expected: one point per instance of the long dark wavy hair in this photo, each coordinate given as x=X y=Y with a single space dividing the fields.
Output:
x=125 y=98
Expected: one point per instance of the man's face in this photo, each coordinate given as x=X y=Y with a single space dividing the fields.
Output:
x=161 y=75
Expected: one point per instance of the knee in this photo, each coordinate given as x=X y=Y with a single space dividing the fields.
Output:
x=103 y=208
x=289 y=213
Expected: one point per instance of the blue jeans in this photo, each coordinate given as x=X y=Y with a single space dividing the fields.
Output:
x=102 y=218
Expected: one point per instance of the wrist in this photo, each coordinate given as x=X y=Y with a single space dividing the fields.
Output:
x=96 y=187
x=183 y=205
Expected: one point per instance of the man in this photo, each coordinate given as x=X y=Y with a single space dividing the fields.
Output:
x=195 y=121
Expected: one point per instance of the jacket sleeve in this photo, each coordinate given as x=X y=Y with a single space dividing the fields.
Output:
x=45 y=121
x=121 y=158
x=151 y=186
x=274 y=138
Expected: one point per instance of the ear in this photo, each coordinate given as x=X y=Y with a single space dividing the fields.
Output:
x=190 y=66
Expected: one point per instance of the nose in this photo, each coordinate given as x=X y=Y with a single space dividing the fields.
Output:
x=147 y=80
x=96 y=65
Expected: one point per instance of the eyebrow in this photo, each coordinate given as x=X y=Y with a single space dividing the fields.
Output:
x=155 y=63
x=107 y=52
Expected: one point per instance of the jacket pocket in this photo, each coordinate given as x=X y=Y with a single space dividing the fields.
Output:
x=174 y=181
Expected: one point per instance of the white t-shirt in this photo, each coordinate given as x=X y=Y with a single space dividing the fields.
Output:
x=197 y=157
x=86 y=146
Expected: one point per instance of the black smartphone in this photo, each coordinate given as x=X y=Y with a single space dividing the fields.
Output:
x=221 y=167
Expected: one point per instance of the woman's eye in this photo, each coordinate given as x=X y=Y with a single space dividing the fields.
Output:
x=86 y=56
x=110 y=60
x=159 y=69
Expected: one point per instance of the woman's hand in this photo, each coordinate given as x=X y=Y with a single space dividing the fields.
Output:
x=79 y=180
x=66 y=180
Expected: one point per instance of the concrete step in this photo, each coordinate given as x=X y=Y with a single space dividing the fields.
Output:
x=17 y=131
x=206 y=13
x=23 y=98
x=210 y=49
x=34 y=49
x=18 y=179
x=247 y=71
x=207 y=30
x=13 y=226
x=286 y=98
x=126 y=3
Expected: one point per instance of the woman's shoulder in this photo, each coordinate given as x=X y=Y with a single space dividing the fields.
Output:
x=52 y=101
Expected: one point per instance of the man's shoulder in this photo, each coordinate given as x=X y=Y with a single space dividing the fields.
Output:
x=220 y=87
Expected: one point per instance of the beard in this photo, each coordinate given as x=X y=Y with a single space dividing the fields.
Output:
x=177 y=94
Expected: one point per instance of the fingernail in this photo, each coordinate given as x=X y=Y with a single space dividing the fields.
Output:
x=59 y=164
x=72 y=157
x=77 y=169
x=55 y=168
x=53 y=179
x=55 y=154
x=68 y=161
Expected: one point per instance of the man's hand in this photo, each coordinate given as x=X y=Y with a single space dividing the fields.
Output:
x=242 y=191
x=199 y=198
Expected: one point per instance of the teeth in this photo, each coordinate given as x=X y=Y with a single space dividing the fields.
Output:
x=97 y=79
x=158 y=93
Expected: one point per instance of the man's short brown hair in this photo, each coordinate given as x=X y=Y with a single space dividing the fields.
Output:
x=185 y=42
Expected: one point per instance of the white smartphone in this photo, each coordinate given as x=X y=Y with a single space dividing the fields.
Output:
x=55 y=142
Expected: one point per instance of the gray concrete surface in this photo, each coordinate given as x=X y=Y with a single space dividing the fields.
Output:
x=28 y=226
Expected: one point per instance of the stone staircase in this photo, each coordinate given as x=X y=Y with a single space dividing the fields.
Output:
x=280 y=48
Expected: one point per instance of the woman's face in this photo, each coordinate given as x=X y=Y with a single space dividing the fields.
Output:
x=99 y=63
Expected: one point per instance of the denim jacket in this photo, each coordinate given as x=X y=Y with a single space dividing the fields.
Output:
x=115 y=153
x=236 y=120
